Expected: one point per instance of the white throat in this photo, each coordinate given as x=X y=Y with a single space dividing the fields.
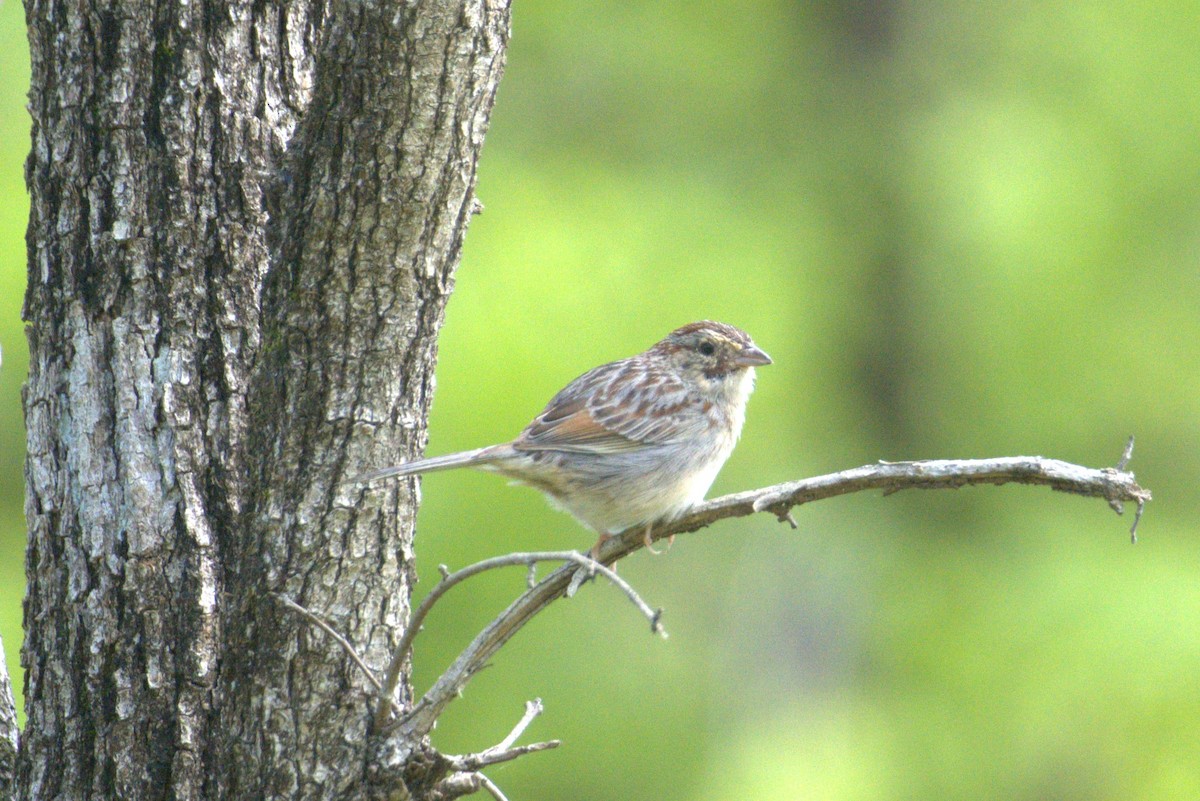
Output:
x=738 y=391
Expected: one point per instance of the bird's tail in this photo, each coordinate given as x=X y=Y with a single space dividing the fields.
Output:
x=476 y=458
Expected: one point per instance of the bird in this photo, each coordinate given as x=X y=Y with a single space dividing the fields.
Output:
x=632 y=443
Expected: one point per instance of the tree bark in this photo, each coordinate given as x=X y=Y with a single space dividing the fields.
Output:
x=245 y=220
x=9 y=732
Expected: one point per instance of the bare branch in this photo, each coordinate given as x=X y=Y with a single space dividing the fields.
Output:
x=1113 y=484
x=1126 y=455
x=449 y=580
x=467 y=778
x=492 y=789
x=388 y=701
x=1137 y=518
x=504 y=751
x=532 y=710
x=320 y=623
x=494 y=757
x=460 y=784
x=1116 y=504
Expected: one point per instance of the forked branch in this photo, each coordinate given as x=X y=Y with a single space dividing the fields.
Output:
x=387 y=691
x=465 y=777
x=1113 y=484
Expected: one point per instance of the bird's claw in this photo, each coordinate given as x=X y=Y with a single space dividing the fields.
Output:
x=648 y=542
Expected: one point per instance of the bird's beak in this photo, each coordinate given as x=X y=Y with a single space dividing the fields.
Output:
x=752 y=355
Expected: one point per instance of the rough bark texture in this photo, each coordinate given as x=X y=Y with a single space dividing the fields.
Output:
x=245 y=219
x=9 y=733
x=380 y=194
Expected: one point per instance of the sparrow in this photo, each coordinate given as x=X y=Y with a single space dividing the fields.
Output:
x=631 y=443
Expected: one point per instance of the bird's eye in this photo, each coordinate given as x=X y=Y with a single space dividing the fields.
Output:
x=708 y=348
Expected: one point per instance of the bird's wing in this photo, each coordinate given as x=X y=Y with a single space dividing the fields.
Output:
x=618 y=407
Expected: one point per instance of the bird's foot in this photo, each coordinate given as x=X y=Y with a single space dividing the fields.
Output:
x=647 y=541
x=588 y=572
x=594 y=552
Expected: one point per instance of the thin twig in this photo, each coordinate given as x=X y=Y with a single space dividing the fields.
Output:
x=450 y=580
x=457 y=785
x=504 y=750
x=320 y=623
x=326 y=627
x=467 y=779
x=1126 y=455
x=490 y=786
x=588 y=564
x=1109 y=483
x=1122 y=463
x=1137 y=518
x=494 y=757
x=532 y=710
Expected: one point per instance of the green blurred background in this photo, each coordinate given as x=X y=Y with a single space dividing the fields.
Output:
x=962 y=230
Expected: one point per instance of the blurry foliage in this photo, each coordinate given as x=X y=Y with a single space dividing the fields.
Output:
x=14 y=212
x=961 y=230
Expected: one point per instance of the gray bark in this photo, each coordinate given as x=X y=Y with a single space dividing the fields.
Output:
x=245 y=220
x=9 y=732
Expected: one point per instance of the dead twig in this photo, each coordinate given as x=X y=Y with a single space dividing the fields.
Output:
x=326 y=627
x=460 y=784
x=320 y=623
x=491 y=788
x=450 y=580
x=505 y=751
x=1113 y=484
x=532 y=710
x=466 y=777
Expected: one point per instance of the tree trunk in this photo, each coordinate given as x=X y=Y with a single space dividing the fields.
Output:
x=244 y=225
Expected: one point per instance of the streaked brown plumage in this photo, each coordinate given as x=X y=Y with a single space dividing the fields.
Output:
x=634 y=442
